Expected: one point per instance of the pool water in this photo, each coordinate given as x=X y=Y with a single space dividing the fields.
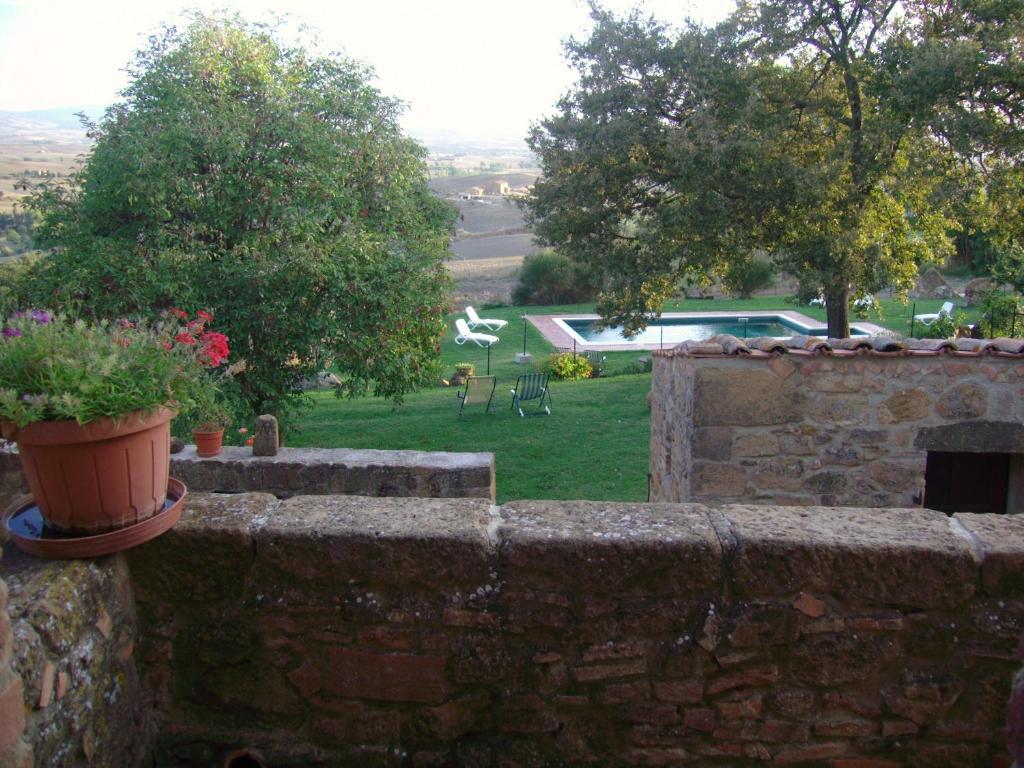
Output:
x=673 y=330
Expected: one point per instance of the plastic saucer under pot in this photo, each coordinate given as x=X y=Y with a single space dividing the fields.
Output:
x=30 y=533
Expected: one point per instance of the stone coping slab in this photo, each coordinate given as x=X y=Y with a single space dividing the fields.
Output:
x=1001 y=540
x=892 y=556
x=614 y=547
x=236 y=546
x=326 y=471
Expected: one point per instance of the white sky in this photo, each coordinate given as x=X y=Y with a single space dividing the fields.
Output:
x=473 y=68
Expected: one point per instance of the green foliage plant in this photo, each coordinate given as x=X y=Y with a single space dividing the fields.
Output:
x=569 y=367
x=552 y=278
x=272 y=185
x=53 y=367
x=1002 y=314
x=743 y=276
x=943 y=327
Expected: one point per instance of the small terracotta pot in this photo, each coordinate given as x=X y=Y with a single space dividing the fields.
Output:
x=208 y=443
x=101 y=476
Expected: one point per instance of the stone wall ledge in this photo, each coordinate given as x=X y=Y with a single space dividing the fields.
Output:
x=915 y=559
x=321 y=471
x=339 y=471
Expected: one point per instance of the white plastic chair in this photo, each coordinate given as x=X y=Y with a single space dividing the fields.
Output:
x=464 y=335
x=491 y=324
x=930 y=317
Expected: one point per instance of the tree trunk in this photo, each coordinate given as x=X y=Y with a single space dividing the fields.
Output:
x=837 y=308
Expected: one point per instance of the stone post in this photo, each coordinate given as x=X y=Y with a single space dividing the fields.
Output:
x=267 y=439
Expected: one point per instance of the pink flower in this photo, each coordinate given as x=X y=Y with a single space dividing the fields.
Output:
x=202 y=315
x=185 y=338
x=179 y=313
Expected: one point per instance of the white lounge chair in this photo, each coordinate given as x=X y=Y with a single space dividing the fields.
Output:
x=464 y=335
x=930 y=317
x=491 y=324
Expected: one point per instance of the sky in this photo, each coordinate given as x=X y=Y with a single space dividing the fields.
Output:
x=467 y=69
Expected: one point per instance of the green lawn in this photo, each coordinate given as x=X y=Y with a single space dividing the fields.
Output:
x=593 y=446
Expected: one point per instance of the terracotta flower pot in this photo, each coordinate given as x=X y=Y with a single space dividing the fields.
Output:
x=208 y=443
x=102 y=476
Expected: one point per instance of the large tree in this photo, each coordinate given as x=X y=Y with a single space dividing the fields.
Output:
x=823 y=132
x=270 y=185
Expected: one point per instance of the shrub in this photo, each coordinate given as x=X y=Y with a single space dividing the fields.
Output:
x=944 y=327
x=1002 y=314
x=744 y=276
x=551 y=278
x=569 y=367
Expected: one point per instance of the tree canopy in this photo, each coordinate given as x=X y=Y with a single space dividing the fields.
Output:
x=270 y=185
x=847 y=140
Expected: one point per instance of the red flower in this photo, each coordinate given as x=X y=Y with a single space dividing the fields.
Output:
x=196 y=325
x=215 y=348
x=250 y=441
x=203 y=315
x=185 y=338
x=180 y=313
x=167 y=345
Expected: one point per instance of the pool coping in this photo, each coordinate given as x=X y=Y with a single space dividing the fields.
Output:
x=560 y=337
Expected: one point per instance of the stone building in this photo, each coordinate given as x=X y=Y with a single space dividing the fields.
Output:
x=871 y=423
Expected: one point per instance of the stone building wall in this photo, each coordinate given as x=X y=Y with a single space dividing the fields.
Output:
x=77 y=686
x=843 y=428
x=326 y=630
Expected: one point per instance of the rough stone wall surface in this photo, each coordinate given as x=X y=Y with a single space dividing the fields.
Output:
x=1015 y=716
x=14 y=750
x=74 y=632
x=324 y=630
x=314 y=471
x=820 y=430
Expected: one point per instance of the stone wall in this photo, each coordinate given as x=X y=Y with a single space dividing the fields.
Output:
x=14 y=751
x=313 y=471
x=326 y=630
x=77 y=688
x=842 y=429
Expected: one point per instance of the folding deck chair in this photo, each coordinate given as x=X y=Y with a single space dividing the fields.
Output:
x=479 y=389
x=490 y=323
x=464 y=335
x=930 y=317
x=531 y=386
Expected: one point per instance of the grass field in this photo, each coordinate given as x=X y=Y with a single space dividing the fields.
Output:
x=593 y=446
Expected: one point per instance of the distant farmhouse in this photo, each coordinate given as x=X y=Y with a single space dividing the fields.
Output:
x=497 y=187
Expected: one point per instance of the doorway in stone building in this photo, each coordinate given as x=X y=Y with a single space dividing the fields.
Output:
x=974 y=482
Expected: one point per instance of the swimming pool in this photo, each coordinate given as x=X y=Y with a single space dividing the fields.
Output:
x=672 y=328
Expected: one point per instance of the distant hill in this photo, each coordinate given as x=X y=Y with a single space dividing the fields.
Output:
x=45 y=125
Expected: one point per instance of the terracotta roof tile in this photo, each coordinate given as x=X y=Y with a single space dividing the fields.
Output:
x=875 y=346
